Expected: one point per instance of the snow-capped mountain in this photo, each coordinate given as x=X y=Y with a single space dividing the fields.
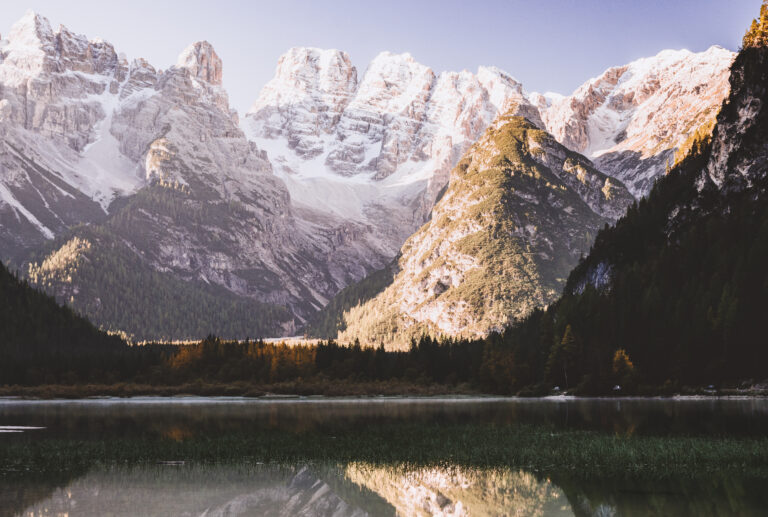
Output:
x=375 y=150
x=632 y=118
x=158 y=160
x=320 y=183
x=59 y=164
x=378 y=150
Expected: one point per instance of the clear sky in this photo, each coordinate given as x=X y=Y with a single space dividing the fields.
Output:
x=548 y=45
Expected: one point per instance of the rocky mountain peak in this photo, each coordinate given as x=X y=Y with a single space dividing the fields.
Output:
x=26 y=51
x=202 y=62
x=397 y=77
x=495 y=79
x=393 y=60
x=631 y=118
x=308 y=68
x=32 y=29
x=34 y=50
x=318 y=84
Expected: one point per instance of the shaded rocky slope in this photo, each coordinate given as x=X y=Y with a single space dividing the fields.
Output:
x=112 y=285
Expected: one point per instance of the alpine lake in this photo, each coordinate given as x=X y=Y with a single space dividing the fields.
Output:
x=561 y=456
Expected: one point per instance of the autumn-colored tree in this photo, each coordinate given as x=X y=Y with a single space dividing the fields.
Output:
x=757 y=35
x=622 y=365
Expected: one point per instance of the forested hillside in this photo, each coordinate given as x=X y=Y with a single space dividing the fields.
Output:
x=329 y=321
x=110 y=284
x=677 y=290
x=36 y=332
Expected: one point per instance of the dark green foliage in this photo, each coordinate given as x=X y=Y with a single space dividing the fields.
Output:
x=562 y=357
x=329 y=321
x=36 y=333
x=31 y=321
x=680 y=281
x=121 y=292
x=689 y=306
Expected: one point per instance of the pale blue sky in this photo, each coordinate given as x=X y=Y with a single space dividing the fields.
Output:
x=549 y=45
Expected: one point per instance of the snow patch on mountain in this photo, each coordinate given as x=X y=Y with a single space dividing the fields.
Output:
x=103 y=172
x=7 y=197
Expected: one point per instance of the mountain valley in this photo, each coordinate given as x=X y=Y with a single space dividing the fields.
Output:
x=114 y=173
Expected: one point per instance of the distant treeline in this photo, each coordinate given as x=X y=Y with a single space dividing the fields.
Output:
x=499 y=364
x=214 y=361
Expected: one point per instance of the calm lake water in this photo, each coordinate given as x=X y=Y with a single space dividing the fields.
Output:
x=222 y=456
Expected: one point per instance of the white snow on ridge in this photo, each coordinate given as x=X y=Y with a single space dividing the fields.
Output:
x=7 y=196
x=647 y=96
x=102 y=172
x=604 y=124
x=312 y=184
x=638 y=111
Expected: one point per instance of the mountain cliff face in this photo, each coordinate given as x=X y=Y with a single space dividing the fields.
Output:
x=158 y=161
x=632 y=118
x=375 y=150
x=518 y=212
x=52 y=88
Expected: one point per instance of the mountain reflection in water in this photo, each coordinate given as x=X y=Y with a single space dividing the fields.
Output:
x=345 y=490
x=213 y=457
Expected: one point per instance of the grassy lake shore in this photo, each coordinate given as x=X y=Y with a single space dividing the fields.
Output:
x=328 y=388
x=532 y=447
